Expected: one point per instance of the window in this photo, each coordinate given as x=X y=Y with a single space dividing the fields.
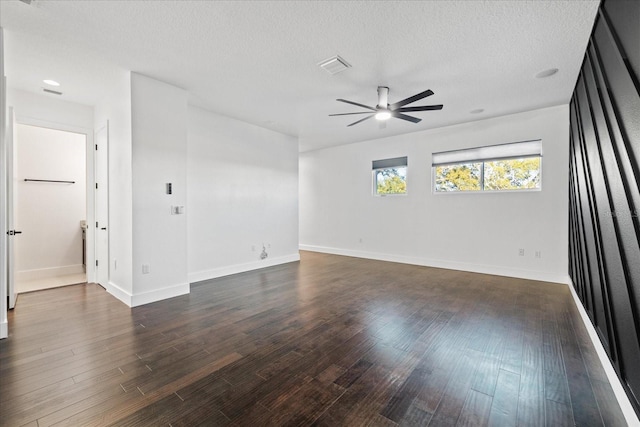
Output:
x=515 y=166
x=390 y=176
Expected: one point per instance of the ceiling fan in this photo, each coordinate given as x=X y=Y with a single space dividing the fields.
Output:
x=384 y=110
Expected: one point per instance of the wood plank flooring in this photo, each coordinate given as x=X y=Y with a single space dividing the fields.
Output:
x=329 y=341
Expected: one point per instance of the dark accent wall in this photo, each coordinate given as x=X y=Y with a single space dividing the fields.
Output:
x=604 y=196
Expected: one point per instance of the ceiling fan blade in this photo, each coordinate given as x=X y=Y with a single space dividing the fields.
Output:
x=405 y=117
x=348 y=114
x=355 y=103
x=361 y=120
x=422 y=108
x=411 y=99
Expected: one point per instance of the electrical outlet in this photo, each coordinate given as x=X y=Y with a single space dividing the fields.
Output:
x=145 y=268
x=253 y=248
x=521 y=252
x=360 y=240
x=538 y=254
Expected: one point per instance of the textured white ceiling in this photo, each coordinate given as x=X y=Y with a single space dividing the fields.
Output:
x=257 y=60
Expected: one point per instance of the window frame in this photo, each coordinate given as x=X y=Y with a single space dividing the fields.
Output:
x=527 y=154
x=391 y=163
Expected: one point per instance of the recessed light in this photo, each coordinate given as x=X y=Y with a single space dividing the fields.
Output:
x=477 y=111
x=51 y=82
x=546 y=73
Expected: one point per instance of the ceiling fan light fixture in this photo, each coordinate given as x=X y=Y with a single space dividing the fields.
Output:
x=383 y=115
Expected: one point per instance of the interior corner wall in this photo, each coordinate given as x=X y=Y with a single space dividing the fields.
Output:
x=242 y=193
x=479 y=232
x=159 y=154
x=116 y=109
x=604 y=251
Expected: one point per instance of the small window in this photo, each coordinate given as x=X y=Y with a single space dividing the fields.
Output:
x=390 y=176
x=515 y=166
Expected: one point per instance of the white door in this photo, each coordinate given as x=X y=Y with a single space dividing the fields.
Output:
x=102 y=205
x=12 y=187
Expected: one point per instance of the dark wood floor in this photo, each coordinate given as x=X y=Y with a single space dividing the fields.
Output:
x=328 y=341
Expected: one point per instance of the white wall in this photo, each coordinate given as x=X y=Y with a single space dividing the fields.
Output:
x=116 y=108
x=159 y=131
x=242 y=192
x=473 y=232
x=48 y=111
x=49 y=214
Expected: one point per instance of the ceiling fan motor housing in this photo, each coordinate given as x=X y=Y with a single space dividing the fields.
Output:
x=383 y=97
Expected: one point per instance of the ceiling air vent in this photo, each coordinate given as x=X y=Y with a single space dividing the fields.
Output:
x=334 y=65
x=55 y=92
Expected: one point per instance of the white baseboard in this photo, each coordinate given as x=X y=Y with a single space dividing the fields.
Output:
x=623 y=400
x=4 y=329
x=119 y=293
x=147 y=297
x=449 y=265
x=45 y=273
x=159 y=294
x=199 y=276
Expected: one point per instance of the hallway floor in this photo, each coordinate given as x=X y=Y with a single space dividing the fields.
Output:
x=49 y=282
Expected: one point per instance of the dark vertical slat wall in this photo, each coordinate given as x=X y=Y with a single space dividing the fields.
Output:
x=604 y=194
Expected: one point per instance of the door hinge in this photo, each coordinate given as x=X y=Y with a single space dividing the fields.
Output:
x=96 y=185
x=96 y=147
x=96 y=224
x=96 y=263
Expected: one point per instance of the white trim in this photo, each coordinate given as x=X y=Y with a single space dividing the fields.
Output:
x=241 y=268
x=45 y=273
x=450 y=265
x=159 y=294
x=623 y=400
x=119 y=293
x=147 y=297
x=33 y=121
x=4 y=329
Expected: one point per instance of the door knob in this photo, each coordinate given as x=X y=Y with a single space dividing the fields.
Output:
x=103 y=228
x=13 y=232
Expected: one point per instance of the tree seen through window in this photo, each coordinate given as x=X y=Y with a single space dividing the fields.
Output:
x=391 y=180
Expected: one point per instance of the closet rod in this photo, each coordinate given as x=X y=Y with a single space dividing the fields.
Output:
x=49 y=180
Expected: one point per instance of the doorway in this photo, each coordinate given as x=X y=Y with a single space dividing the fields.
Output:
x=50 y=208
